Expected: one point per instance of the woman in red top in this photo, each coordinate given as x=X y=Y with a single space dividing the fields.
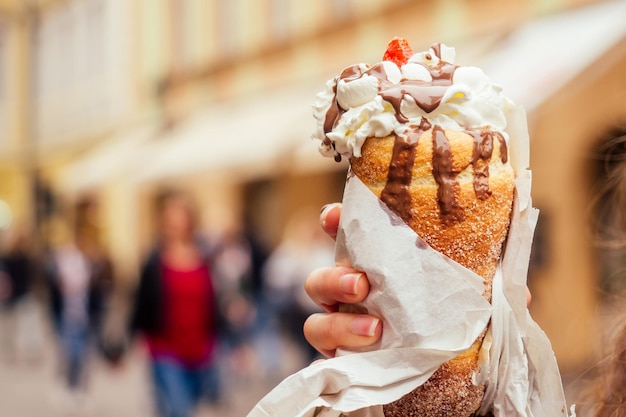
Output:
x=175 y=309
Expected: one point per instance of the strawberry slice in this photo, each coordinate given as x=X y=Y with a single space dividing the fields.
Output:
x=398 y=51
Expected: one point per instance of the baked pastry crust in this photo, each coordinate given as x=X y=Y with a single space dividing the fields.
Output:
x=469 y=225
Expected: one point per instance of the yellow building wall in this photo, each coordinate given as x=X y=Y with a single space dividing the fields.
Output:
x=15 y=188
x=15 y=191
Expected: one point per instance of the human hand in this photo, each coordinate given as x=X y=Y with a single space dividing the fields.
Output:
x=329 y=287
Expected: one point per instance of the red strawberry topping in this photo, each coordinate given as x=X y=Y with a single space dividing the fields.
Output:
x=398 y=51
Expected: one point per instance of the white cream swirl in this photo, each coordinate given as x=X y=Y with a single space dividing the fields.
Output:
x=359 y=103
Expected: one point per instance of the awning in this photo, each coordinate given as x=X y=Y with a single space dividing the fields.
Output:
x=244 y=138
x=114 y=158
x=544 y=55
x=240 y=139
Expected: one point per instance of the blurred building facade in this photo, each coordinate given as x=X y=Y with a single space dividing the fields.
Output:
x=110 y=100
x=14 y=144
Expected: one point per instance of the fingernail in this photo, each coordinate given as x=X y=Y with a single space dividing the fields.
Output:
x=348 y=282
x=325 y=210
x=364 y=326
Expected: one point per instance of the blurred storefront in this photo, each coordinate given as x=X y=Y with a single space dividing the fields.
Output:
x=121 y=98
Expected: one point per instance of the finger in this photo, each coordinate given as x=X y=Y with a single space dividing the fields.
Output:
x=329 y=218
x=329 y=286
x=328 y=331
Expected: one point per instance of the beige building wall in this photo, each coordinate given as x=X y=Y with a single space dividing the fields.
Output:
x=565 y=133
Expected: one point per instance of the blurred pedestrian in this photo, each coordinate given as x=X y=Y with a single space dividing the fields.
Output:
x=18 y=265
x=5 y=283
x=175 y=310
x=76 y=299
x=5 y=321
x=22 y=331
x=232 y=267
x=304 y=247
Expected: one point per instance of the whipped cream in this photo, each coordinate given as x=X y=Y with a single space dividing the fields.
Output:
x=383 y=99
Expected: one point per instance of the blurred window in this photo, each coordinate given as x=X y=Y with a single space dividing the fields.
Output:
x=80 y=56
x=279 y=20
x=227 y=27
x=342 y=9
x=189 y=33
x=4 y=82
x=178 y=25
x=69 y=46
x=53 y=52
x=93 y=45
x=65 y=57
x=4 y=62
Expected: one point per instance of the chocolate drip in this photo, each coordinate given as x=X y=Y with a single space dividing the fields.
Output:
x=353 y=72
x=378 y=71
x=481 y=155
x=329 y=143
x=426 y=96
x=332 y=116
x=445 y=176
x=436 y=47
x=396 y=194
x=504 y=150
x=335 y=111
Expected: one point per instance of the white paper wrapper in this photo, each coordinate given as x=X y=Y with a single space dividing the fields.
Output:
x=429 y=319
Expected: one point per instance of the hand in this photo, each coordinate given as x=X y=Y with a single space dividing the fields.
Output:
x=330 y=286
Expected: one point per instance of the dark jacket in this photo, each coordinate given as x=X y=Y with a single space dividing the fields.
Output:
x=96 y=296
x=18 y=266
x=148 y=313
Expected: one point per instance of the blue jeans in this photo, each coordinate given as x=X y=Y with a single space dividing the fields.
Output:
x=179 y=387
x=75 y=342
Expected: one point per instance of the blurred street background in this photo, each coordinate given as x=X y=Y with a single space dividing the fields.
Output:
x=106 y=104
x=31 y=387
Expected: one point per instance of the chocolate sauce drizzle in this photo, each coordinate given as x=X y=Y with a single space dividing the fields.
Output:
x=396 y=194
x=427 y=95
x=445 y=176
x=481 y=155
